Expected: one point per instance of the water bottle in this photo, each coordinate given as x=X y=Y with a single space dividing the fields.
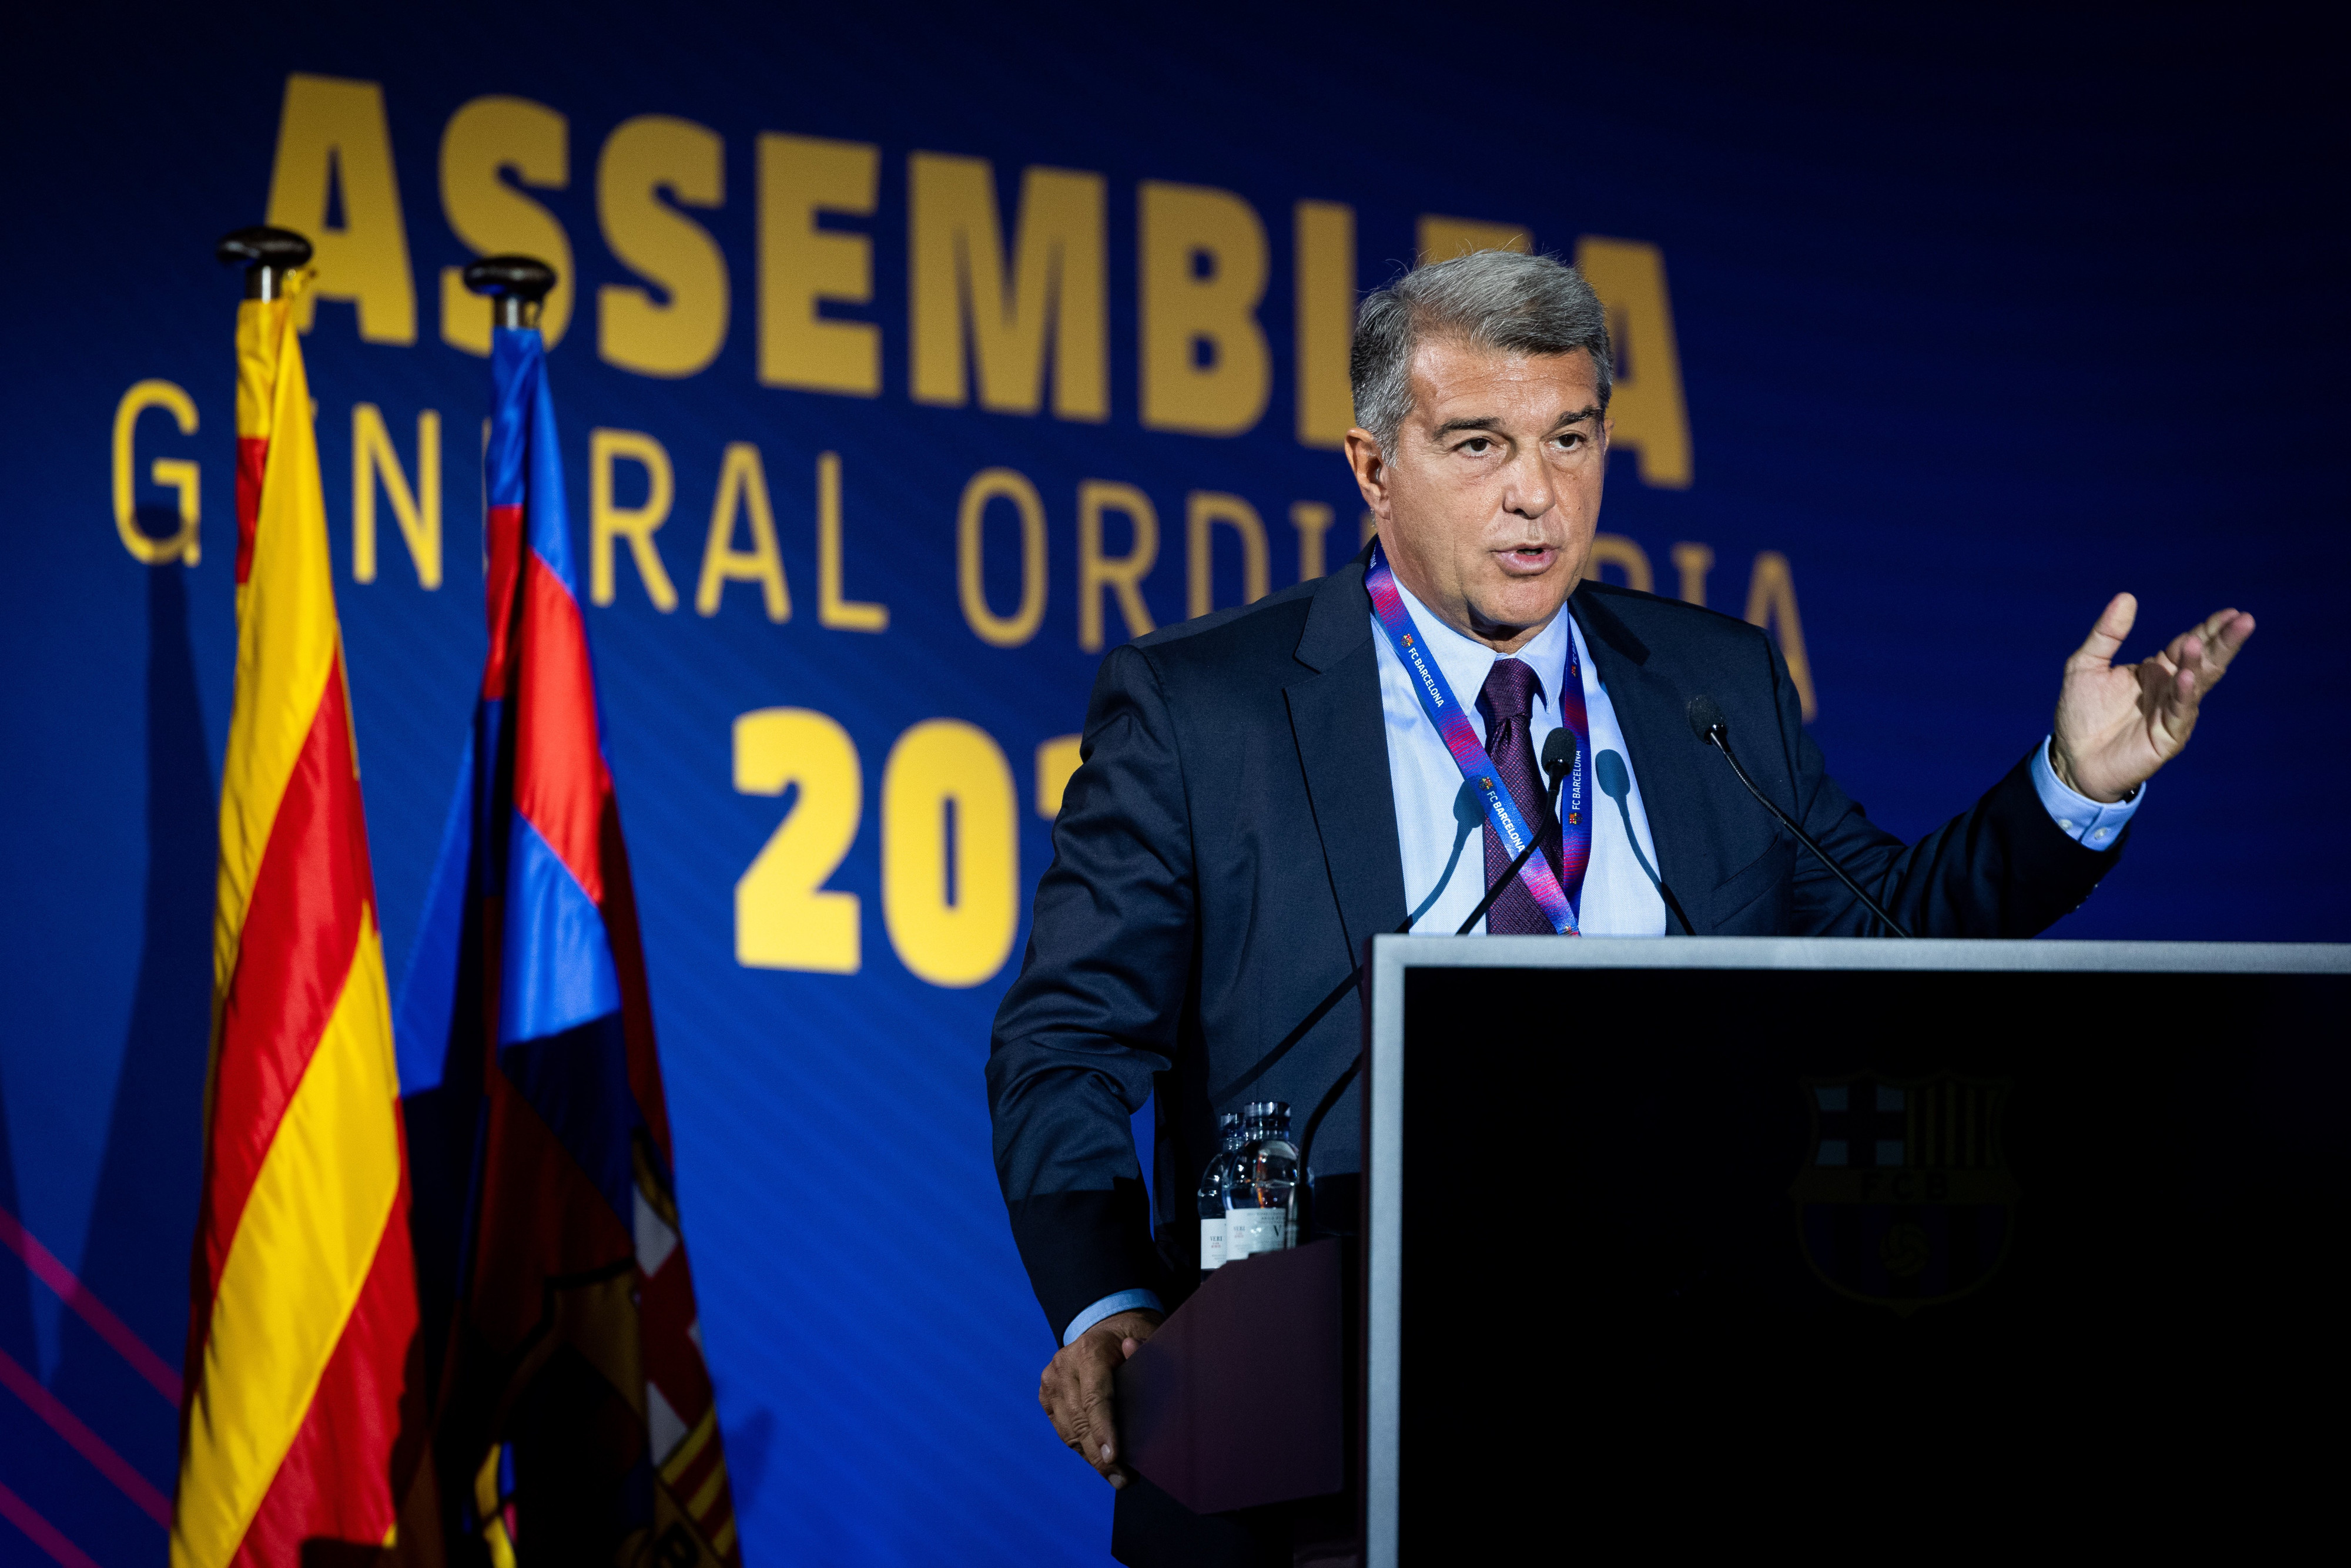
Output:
x=1212 y=1192
x=1261 y=1192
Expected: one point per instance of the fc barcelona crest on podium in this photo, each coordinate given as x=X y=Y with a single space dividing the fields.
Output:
x=1905 y=1199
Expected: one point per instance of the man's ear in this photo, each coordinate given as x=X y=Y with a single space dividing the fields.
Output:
x=1607 y=430
x=1363 y=455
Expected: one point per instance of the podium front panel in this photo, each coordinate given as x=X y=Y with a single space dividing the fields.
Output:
x=1663 y=1230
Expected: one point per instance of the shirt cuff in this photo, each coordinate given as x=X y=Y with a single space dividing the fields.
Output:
x=1110 y=1306
x=2087 y=823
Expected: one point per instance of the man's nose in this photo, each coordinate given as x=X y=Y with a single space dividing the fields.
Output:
x=1529 y=493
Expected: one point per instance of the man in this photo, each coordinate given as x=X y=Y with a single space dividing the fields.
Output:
x=1264 y=789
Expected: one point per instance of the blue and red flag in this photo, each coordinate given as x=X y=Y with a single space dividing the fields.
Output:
x=575 y=1421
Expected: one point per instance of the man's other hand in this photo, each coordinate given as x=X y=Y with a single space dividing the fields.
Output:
x=2116 y=724
x=1076 y=1388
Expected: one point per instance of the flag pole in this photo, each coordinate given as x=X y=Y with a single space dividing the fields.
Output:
x=599 y=1267
x=269 y=255
x=299 y=1409
x=515 y=287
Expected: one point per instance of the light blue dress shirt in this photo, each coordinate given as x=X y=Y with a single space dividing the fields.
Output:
x=1441 y=834
x=1440 y=827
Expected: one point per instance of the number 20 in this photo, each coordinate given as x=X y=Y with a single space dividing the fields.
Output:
x=953 y=932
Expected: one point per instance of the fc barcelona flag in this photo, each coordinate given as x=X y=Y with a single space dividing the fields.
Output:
x=575 y=1422
x=305 y=1406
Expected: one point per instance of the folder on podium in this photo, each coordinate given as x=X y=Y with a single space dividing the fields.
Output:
x=1671 y=1236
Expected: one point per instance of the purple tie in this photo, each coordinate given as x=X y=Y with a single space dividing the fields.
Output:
x=1505 y=700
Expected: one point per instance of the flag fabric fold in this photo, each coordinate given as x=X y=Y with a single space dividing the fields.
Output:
x=576 y=1419
x=305 y=1404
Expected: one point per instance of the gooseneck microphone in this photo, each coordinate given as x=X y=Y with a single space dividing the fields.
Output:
x=1706 y=721
x=1558 y=762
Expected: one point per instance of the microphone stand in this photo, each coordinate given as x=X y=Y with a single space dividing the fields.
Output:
x=1502 y=883
x=1331 y=1096
x=1711 y=728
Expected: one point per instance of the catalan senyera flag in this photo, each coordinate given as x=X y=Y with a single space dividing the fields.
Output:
x=575 y=1421
x=303 y=1413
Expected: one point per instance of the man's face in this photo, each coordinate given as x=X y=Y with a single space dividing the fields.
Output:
x=1488 y=504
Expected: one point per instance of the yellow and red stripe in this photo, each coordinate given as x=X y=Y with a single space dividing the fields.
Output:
x=300 y=1422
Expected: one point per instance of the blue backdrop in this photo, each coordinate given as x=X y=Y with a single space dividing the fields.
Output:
x=1967 y=323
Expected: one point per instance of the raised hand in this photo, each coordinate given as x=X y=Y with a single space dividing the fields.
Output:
x=2116 y=724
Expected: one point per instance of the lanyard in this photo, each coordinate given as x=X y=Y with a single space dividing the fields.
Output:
x=1437 y=700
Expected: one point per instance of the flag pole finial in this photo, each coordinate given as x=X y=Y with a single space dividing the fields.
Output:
x=515 y=285
x=268 y=256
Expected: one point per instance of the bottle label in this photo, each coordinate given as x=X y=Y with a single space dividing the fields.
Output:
x=1249 y=1230
x=1212 y=1243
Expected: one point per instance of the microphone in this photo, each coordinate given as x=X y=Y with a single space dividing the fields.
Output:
x=1707 y=723
x=1558 y=762
x=1558 y=757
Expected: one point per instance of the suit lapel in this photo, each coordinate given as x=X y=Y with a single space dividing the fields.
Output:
x=1343 y=749
x=1664 y=759
x=1342 y=737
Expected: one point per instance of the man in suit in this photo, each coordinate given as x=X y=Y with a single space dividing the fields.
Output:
x=1264 y=789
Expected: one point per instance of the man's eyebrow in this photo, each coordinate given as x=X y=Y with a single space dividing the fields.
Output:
x=1493 y=421
x=1472 y=421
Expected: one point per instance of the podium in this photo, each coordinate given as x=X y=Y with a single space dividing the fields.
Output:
x=1709 y=1238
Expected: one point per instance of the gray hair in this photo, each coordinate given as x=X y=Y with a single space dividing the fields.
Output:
x=1500 y=299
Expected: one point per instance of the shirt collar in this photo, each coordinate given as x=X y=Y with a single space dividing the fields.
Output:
x=1467 y=662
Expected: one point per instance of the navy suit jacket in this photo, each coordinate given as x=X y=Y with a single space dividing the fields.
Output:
x=1229 y=842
